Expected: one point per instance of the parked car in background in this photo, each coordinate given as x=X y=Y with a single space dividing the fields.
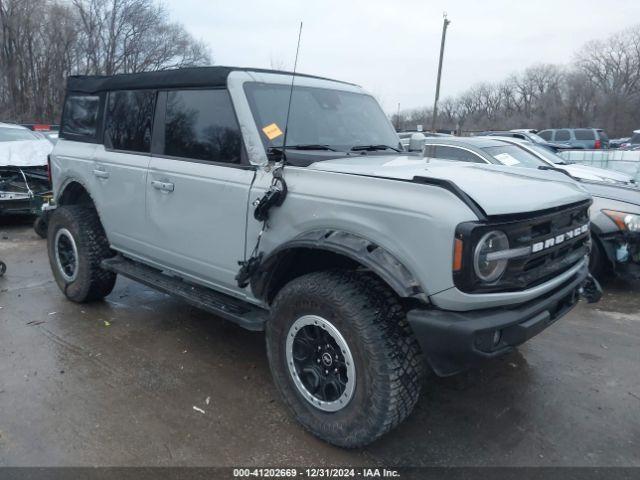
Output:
x=51 y=136
x=413 y=141
x=615 y=214
x=526 y=135
x=41 y=127
x=577 y=138
x=582 y=172
x=633 y=143
x=24 y=178
x=618 y=142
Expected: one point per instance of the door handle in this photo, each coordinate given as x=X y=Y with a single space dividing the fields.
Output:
x=164 y=186
x=101 y=173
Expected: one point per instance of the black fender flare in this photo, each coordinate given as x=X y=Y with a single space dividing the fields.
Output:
x=357 y=248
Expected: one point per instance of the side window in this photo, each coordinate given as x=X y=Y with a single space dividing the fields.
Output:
x=546 y=134
x=635 y=139
x=454 y=153
x=584 y=134
x=563 y=135
x=129 y=120
x=80 y=116
x=201 y=125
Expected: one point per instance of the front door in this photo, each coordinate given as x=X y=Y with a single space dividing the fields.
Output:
x=198 y=187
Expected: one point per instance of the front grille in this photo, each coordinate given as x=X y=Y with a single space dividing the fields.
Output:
x=538 y=267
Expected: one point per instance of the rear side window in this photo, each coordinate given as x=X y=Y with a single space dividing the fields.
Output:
x=201 y=125
x=454 y=153
x=129 y=120
x=584 y=134
x=562 y=135
x=81 y=116
x=546 y=134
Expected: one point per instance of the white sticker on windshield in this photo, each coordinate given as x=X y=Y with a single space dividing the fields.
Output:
x=506 y=159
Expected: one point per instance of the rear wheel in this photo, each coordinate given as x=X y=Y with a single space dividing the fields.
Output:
x=343 y=356
x=77 y=245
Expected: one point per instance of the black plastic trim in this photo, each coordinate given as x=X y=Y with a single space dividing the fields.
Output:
x=352 y=246
x=455 y=341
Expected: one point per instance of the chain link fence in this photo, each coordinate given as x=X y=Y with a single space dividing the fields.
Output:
x=618 y=160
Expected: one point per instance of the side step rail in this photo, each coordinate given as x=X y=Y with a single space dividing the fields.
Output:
x=246 y=315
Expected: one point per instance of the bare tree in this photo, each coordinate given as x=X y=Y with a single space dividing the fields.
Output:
x=38 y=51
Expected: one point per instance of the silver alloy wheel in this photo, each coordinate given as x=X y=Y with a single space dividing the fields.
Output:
x=320 y=363
x=66 y=252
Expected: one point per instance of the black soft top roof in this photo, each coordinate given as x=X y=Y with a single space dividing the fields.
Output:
x=182 y=77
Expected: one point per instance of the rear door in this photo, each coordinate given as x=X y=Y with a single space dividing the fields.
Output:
x=198 y=186
x=120 y=167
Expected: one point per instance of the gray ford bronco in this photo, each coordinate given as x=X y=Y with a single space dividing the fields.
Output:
x=364 y=268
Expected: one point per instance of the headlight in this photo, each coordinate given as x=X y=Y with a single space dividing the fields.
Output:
x=490 y=270
x=625 y=221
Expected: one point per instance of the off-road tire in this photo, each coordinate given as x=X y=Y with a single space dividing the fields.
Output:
x=40 y=226
x=92 y=282
x=387 y=358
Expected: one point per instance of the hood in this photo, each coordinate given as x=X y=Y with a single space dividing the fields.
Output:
x=596 y=174
x=612 y=192
x=497 y=189
x=25 y=153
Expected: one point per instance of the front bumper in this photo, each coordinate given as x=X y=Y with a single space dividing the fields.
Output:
x=455 y=341
x=20 y=204
x=623 y=250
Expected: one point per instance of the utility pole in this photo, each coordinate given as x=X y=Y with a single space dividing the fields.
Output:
x=445 y=24
x=398 y=118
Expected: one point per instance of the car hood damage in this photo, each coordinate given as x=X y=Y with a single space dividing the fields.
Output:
x=28 y=153
x=497 y=189
x=23 y=173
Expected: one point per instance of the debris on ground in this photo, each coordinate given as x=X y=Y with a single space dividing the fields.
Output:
x=198 y=409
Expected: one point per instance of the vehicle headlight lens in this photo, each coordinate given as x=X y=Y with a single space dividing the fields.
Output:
x=486 y=269
x=625 y=221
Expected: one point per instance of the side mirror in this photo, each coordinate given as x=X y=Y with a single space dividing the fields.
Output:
x=417 y=141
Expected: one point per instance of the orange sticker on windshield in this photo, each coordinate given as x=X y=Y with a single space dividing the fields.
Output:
x=272 y=131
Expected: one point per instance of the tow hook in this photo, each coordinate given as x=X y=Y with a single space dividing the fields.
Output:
x=591 y=290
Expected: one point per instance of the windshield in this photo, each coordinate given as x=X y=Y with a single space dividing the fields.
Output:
x=319 y=117
x=536 y=138
x=514 y=156
x=548 y=155
x=15 y=134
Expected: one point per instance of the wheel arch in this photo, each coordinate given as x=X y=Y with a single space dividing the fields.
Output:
x=327 y=248
x=74 y=192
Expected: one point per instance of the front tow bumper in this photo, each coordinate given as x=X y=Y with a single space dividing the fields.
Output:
x=455 y=341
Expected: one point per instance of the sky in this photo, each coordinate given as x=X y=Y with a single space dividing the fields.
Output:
x=391 y=47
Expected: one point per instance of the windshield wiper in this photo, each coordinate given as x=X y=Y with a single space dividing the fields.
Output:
x=357 y=148
x=307 y=146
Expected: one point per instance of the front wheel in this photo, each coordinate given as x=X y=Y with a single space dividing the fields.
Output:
x=40 y=226
x=343 y=357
